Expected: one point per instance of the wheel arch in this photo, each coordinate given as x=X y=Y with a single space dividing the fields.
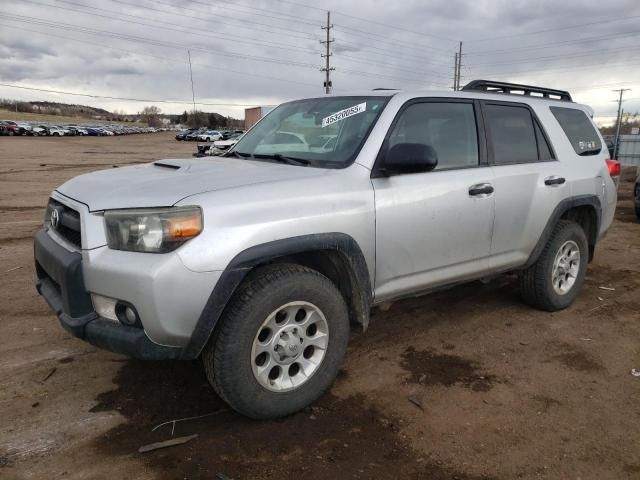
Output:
x=585 y=210
x=335 y=255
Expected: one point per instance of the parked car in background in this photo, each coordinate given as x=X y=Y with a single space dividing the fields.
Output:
x=209 y=136
x=9 y=128
x=24 y=129
x=228 y=143
x=76 y=130
x=39 y=130
x=182 y=134
x=193 y=136
x=55 y=131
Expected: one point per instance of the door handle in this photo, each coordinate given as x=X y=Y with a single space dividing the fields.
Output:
x=481 y=190
x=554 y=180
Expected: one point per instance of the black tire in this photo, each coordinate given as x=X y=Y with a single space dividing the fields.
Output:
x=536 y=286
x=11 y=133
x=227 y=356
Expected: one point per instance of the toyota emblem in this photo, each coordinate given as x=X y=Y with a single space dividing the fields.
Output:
x=55 y=218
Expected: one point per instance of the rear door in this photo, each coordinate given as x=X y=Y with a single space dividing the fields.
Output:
x=434 y=228
x=529 y=181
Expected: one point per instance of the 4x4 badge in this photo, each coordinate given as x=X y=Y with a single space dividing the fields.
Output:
x=55 y=218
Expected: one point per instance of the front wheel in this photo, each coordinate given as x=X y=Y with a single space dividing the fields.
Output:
x=553 y=282
x=280 y=342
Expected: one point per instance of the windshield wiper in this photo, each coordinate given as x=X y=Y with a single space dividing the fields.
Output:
x=238 y=154
x=285 y=159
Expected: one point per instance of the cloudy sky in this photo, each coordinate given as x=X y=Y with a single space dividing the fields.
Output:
x=259 y=52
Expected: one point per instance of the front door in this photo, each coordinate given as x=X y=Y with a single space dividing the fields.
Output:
x=434 y=228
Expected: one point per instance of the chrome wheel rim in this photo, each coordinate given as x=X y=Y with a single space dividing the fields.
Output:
x=566 y=267
x=289 y=346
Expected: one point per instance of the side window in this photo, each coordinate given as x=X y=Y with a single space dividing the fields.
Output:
x=544 y=151
x=449 y=128
x=512 y=134
x=578 y=129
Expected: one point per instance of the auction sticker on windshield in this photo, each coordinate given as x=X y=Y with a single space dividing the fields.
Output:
x=342 y=114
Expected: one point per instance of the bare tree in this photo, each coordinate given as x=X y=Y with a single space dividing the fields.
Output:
x=151 y=115
x=197 y=119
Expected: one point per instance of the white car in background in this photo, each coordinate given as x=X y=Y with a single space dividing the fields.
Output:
x=210 y=136
x=56 y=131
x=226 y=144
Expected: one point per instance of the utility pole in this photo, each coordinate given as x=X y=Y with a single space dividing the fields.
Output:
x=327 y=68
x=618 y=120
x=455 y=72
x=193 y=95
x=459 y=66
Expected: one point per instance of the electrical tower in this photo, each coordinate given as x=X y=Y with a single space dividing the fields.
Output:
x=457 y=66
x=618 y=120
x=327 y=68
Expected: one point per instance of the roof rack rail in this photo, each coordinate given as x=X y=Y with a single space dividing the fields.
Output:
x=491 y=86
x=383 y=88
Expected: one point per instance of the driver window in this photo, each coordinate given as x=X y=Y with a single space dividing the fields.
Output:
x=448 y=128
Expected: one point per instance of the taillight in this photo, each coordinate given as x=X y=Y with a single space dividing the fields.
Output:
x=614 y=167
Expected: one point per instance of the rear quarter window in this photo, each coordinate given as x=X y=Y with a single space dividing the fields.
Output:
x=579 y=130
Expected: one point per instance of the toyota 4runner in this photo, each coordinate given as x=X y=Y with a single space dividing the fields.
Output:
x=258 y=261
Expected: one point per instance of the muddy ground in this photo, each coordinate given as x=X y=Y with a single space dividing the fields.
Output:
x=463 y=384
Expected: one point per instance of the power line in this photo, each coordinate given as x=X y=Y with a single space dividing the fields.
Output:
x=553 y=71
x=547 y=45
x=618 y=19
x=385 y=39
x=92 y=31
x=373 y=22
x=164 y=58
x=242 y=23
x=107 y=97
x=588 y=53
x=171 y=26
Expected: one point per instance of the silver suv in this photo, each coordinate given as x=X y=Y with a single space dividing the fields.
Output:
x=259 y=261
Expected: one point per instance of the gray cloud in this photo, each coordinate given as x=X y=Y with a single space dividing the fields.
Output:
x=268 y=51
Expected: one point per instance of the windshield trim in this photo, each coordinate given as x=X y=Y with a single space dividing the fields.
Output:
x=330 y=165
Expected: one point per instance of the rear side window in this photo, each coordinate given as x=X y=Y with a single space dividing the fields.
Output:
x=578 y=129
x=512 y=134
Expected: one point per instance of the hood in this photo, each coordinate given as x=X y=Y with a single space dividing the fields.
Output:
x=165 y=182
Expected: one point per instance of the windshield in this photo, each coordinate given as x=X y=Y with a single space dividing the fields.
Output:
x=322 y=132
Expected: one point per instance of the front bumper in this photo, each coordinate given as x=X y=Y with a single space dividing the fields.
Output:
x=60 y=281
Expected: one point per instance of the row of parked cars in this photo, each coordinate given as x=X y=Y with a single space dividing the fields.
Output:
x=11 y=128
x=204 y=135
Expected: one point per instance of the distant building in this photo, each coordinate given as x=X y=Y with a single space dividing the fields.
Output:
x=253 y=114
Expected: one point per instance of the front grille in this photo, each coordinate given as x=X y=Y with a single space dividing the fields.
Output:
x=68 y=222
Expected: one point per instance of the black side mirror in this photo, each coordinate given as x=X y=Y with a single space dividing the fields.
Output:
x=409 y=158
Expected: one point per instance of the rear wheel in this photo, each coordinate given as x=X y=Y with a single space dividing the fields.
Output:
x=280 y=342
x=553 y=282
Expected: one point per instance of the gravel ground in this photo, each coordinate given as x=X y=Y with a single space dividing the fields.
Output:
x=463 y=384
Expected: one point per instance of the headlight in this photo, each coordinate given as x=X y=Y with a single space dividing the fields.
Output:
x=154 y=230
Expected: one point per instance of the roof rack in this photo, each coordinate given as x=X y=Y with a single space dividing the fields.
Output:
x=383 y=88
x=491 y=86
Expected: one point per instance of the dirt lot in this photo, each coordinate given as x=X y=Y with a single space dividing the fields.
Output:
x=464 y=384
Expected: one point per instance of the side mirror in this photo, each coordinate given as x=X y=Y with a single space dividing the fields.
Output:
x=409 y=158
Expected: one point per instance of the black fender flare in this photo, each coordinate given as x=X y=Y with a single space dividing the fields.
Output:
x=260 y=254
x=564 y=206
